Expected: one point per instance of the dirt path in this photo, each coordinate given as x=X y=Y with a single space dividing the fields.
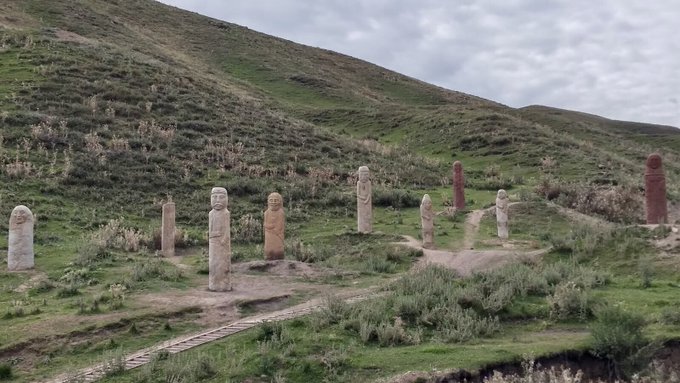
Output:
x=222 y=308
x=472 y=227
x=466 y=262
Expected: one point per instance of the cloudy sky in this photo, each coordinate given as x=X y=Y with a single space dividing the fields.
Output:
x=615 y=58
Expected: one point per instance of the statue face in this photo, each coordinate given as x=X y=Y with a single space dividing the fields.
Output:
x=274 y=202
x=502 y=194
x=218 y=201
x=654 y=161
x=363 y=174
x=457 y=166
x=20 y=216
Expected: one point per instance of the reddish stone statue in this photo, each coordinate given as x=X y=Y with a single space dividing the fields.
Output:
x=655 y=190
x=458 y=186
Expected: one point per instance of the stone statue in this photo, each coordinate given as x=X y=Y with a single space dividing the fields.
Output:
x=20 y=250
x=427 y=220
x=274 y=227
x=655 y=191
x=502 y=208
x=168 y=229
x=219 y=242
x=364 y=202
x=458 y=186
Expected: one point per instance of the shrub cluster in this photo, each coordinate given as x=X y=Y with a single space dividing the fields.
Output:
x=615 y=203
x=433 y=303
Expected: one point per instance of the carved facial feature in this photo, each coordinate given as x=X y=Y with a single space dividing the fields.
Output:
x=363 y=174
x=218 y=198
x=426 y=202
x=20 y=216
x=502 y=194
x=654 y=161
x=274 y=202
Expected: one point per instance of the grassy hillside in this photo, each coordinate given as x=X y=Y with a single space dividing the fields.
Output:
x=107 y=108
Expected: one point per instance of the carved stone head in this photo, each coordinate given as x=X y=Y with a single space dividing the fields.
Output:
x=275 y=202
x=502 y=194
x=363 y=174
x=654 y=161
x=458 y=166
x=218 y=198
x=20 y=215
x=426 y=202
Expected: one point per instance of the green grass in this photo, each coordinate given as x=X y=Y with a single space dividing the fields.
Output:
x=194 y=103
x=531 y=226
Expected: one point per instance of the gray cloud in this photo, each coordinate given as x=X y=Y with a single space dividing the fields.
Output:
x=615 y=58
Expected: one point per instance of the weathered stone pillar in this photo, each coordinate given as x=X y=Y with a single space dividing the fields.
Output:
x=168 y=229
x=655 y=190
x=502 y=210
x=274 y=228
x=364 y=202
x=20 y=250
x=219 y=242
x=458 y=186
x=427 y=221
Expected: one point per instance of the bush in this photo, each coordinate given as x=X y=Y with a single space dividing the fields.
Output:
x=670 y=317
x=617 y=335
x=153 y=268
x=614 y=203
x=307 y=253
x=248 y=229
x=5 y=371
x=396 y=198
x=569 y=302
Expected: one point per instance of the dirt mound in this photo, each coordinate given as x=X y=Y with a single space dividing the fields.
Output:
x=283 y=267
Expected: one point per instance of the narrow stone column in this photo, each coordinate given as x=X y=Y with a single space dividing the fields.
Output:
x=274 y=228
x=20 y=250
x=427 y=221
x=364 y=202
x=655 y=190
x=168 y=229
x=219 y=242
x=458 y=186
x=502 y=210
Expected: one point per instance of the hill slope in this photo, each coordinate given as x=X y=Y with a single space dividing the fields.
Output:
x=107 y=67
x=109 y=106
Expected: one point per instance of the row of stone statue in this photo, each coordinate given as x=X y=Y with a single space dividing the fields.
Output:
x=20 y=254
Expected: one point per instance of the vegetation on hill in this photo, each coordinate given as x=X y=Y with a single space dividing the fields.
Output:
x=107 y=108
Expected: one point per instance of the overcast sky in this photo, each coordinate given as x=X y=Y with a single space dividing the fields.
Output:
x=616 y=58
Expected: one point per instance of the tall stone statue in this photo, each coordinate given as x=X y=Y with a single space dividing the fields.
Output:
x=655 y=191
x=274 y=227
x=20 y=250
x=168 y=229
x=458 y=186
x=219 y=242
x=364 y=202
x=427 y=220
x=502 y=209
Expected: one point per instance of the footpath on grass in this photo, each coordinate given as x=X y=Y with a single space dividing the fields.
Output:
x=465 y=261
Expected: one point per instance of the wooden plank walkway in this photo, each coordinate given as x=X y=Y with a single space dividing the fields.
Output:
x=184 y=343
